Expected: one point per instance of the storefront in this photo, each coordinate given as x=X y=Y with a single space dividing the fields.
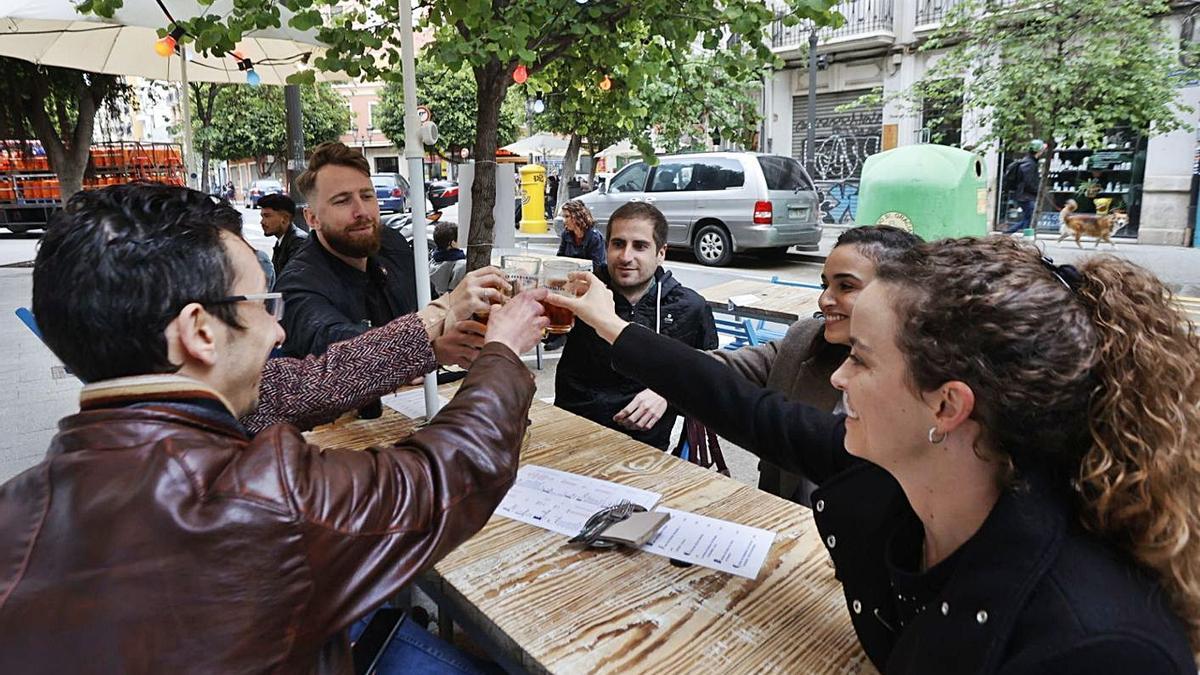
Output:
x=1100 y=180
x=844 y=140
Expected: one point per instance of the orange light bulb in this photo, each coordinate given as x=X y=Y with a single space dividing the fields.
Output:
x=520 y=74
x=165 y=46
x=605 y=84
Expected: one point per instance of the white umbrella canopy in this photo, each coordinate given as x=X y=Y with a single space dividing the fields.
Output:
x=52 y=33
x=543 y=144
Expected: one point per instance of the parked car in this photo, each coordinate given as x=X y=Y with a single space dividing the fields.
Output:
x=602 y=180
x=718 y=203
x=261 y=187
x=441 y=193
x=391 y=189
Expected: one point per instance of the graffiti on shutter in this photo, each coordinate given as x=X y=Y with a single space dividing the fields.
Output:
x=844 y=140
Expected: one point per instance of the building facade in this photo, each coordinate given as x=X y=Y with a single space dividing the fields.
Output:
x=878 y=47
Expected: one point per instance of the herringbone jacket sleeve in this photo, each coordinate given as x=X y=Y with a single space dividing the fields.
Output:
x=316 y=389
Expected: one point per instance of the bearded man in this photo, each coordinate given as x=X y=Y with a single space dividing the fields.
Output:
x=354 y=274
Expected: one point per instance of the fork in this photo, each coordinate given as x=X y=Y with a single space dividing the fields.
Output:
x=601 y=520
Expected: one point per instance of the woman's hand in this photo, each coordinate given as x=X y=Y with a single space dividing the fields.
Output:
x=593 y=305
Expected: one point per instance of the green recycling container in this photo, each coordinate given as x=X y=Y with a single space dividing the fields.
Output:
x=934 y=191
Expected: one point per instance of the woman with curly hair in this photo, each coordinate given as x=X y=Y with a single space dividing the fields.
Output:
x=580 y=239
x=1015 y=485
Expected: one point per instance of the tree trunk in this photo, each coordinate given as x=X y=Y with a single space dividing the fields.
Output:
x=67 y=158
x=492 y=84
x=592 y=150
x=568 y=172
x=204 y=159
x=1043 y=195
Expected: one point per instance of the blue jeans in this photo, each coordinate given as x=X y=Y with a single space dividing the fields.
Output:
x=1026 y=216
x=415 y=650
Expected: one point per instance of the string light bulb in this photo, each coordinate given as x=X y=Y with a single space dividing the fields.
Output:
x=539 y=104
x=165 y=45
x=605 y=84
x=520 y=74
x=252 y=78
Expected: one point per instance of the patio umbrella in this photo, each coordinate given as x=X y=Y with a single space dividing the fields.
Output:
x=540 y=144
x=52 y=33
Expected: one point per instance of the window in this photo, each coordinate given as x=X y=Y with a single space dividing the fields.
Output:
x=631 y=179
x=372 y=120
x=353 y=118
x=784 y=173
x=717 y=174
x=387 y=165
x=942 y=112
x=671 y=177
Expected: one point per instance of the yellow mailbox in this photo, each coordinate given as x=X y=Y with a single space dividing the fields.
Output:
x=533 y=199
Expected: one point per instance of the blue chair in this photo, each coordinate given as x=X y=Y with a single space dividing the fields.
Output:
x=26 y=318
x=764 y=333
x=30 y=322
x=797 y=284
x=742 y=331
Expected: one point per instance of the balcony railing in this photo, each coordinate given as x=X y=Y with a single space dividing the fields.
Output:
x=933 y=11
x=863 y=17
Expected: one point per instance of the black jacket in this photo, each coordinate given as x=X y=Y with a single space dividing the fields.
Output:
x=1027 y=174
x=585 y=382
x=1030 y=592
x=325 y=300
x=286 y=247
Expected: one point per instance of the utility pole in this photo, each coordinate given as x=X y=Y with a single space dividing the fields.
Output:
x=811 y=144
x=295 y=149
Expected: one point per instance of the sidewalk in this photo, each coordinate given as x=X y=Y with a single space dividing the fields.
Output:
x=1177 y=266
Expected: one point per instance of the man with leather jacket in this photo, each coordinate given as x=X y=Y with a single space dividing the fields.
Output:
x=158 y=535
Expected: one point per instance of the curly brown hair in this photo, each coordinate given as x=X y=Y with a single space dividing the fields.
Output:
x=579 y=214
x=1094 y=380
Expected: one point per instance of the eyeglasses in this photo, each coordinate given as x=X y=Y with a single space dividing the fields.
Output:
x=272 y=302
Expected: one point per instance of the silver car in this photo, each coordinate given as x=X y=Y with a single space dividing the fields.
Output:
x=717 y=203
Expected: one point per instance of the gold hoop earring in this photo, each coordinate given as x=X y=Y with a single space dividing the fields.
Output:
x=933 y=440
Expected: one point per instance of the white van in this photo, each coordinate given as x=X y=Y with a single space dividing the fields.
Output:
x=717 y=203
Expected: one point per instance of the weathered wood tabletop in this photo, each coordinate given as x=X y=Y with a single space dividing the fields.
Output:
x=554 y=608
x=775 y=302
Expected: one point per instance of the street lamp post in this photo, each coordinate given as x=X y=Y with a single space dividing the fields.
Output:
x=810 y=146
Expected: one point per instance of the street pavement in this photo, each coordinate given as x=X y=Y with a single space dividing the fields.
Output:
x=39 y=392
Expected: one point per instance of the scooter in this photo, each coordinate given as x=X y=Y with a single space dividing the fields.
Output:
x=403 y=223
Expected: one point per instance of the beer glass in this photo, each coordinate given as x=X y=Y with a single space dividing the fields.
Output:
x=556 y=276
x=521 y=272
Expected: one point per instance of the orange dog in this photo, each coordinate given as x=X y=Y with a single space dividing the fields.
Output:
x=1093 y=225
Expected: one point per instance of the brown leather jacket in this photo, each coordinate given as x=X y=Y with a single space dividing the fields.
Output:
x=157 y=538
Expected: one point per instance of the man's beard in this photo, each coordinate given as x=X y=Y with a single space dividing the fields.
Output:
x=354 y=245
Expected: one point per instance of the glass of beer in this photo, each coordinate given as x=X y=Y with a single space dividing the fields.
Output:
x=556 y=276
x=521 y=272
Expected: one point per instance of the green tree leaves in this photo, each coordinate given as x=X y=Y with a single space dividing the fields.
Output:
x=451 y=97
x=250 y=121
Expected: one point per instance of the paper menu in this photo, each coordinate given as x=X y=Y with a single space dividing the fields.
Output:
x=572 y=486
x=562 y=502
x=411 y=403
x=713 y=543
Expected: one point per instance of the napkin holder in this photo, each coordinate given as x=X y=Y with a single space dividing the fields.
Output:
x=637 y=529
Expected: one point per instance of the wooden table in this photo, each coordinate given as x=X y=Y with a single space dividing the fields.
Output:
x=776 y=302
x=542 y=606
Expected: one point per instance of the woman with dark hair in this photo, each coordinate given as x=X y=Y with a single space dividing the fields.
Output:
x=580 y=239
x=1015 y=484
x=799 y=365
